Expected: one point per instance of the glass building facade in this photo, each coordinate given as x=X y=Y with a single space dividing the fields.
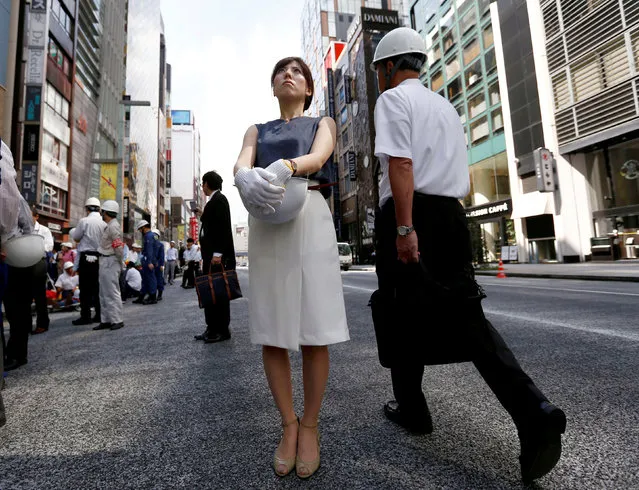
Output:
x=462 y=67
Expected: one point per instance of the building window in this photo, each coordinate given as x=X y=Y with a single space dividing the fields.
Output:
x=473 y=74
x=452 y=67
x=479 y=130
x=454 y=88
x=491 y=61
x=447 y=20
x=435 y=54
x=53 y=199
x=476 y=105
x=471 y=51
x=449 y=40
x=57 y=102
x=437 y=81
x=484 y=7
x=468 y=21
x=462 y=113
x=488 y=36
x=345 y=139
x=493 y=93
x=498 y=120
x=61 y=15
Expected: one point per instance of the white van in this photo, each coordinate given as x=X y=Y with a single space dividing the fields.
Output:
x=345 y=255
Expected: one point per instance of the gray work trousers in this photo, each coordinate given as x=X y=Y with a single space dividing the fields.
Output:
x=110 y=298
x=169 y=271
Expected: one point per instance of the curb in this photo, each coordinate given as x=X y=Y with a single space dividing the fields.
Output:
x=562 y=276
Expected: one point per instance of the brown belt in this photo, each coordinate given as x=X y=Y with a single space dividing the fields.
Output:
x=321 y=186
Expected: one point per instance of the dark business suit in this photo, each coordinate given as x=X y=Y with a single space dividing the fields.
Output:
x=216 y=236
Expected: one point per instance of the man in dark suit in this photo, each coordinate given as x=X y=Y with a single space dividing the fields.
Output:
x=216 y=247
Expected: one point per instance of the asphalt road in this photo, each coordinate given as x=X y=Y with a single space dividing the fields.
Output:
x=148 y=407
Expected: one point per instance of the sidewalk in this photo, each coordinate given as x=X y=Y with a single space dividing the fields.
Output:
x=621 y=270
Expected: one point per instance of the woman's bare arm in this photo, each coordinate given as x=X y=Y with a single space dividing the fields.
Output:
x=249 y=149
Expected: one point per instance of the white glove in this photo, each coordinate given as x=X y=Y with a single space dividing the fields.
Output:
x=255 y=188
x=282 y=171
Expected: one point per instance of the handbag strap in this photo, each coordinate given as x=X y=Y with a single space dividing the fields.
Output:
x=221 y=264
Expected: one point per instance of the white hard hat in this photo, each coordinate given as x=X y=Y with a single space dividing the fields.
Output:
x=155 y=231
x=67 y=265
x=402 y=40
x=136 y=245
x=292 y=203
x=141 y=223
x=92 y=201
x=66 y=244
x=24 y=250
x=111 y=206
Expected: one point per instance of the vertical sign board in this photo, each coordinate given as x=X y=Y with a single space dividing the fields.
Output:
x=108 y=181
x=347 y=89
x=168 y=174
x=331 y=92
x=33 y=106
x=351 y=157
x=544 y=169
x=29 y=182
x=193 y=227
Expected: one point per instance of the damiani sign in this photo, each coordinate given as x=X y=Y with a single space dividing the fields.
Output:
x=377 y=17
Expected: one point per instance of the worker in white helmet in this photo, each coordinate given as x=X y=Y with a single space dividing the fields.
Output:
x=88 y=234
x=111 y=259
x=424 y=174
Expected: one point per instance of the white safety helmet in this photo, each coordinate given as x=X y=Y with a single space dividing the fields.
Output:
x=402 y=40
x=68 y=265
x=92 y=201
x=24 y=250
x=292 y=203
x=111 y=206
x=156 y=232
x=141 y=223
x=136 y=245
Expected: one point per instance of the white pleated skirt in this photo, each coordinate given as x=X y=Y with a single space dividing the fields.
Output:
x=295 y=286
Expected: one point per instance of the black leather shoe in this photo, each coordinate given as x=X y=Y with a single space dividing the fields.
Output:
x=541 y=442
x=102 y=326
x=14 y=364
x=218 y=337
x=421 y=424
x=203 y=336
x=117 y=326
x=82 y=321
x=140 y=300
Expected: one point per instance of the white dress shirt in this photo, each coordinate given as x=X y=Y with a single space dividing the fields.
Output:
x=88 y=233
x=413 y=122
x=134 y=279
x=172 y=254
x=192 y=254
x=67 y=282
x=45 y=233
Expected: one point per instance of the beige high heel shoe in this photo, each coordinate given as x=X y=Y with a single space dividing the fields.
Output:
x=306 y=469
x=289 y=463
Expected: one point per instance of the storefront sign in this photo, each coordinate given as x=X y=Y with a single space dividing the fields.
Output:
x=55 y=227
x=30 y=182
x=331 y=92
x=348 y=210
x=379 y=19
x=351 y=158
x=38 y=6
x=491 y=210
x=370 y=219
x=35 y=66
x=33 y=102
x=108 y=180
x=544 y=169
x=125 y=207
x=31 y=150
x=630 y=170
x=82 y=124
x=347 y=89
x=193 y=227
x=53 y=174
x=168 y=174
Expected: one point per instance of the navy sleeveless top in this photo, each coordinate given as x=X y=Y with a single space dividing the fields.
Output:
x=279 y=139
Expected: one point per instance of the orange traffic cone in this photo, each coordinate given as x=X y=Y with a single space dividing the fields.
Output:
x=500 y=270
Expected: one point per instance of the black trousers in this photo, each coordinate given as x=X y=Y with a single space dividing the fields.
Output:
x=218 y=316
x=39 y=291
x=445 y=249
x=17 y=303
x=188 y=279
x=89 y=285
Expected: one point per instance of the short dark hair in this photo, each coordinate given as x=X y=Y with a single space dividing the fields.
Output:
x=306 y=71
x=35 y=211
x=213 y=180
x=413 y=61
x=110 y=214
x=190 y=240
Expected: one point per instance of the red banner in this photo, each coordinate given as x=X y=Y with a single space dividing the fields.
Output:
x=193 y=227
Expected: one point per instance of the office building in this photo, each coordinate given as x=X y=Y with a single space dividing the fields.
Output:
x=9 y=15
x=185 y=142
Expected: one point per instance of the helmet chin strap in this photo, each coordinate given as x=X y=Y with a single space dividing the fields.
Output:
x=388 y=76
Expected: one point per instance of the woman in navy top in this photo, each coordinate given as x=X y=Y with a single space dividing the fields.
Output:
x=296 y=296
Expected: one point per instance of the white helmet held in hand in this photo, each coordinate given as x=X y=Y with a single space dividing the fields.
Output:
x=111 y=206
x=24 y=250
x=292 y=204
x=92 y=201
x=402 y=40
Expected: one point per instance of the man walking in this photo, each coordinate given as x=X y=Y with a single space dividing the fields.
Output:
x=88 y=234
x=111 y=255
x=171 y=262
x=421 y=146
x=39 y=281
x=149 y=263
x=216 y=240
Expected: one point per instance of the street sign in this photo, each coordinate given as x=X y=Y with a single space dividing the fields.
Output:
x=544 y=169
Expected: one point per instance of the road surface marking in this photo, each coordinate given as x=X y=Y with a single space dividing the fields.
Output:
x=357 y=288
x=560 y=289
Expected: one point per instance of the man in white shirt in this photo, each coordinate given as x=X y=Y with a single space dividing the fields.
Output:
x=134 y=253
x=39 y=284
x=171 y=261
x=67 y=282
x=133 y=282
x=192 y=259
x=426 y=280
x=88 y=234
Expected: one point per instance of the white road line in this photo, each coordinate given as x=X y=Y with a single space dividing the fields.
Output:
x=558 y=289
x=357 y=288
x=600 y=331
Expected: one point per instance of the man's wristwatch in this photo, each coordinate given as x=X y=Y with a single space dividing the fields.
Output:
x=405 y=230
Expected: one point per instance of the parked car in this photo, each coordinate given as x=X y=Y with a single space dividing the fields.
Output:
x=345 y=255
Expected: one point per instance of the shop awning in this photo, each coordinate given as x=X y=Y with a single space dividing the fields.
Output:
x=532 y=204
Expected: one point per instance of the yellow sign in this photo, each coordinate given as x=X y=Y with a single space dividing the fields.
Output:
x=108 y=180
x=180 y=232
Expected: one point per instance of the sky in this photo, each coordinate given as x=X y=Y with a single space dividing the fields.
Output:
x=221 y=55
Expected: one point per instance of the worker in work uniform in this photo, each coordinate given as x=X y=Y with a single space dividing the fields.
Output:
x=88 y=234
x=111 y=255
x=159 y=258
x=148 y=263
x=424 y=173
